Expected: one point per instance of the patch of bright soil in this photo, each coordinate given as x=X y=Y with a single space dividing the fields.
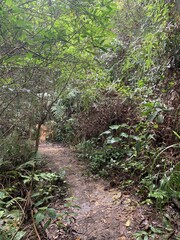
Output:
x=104 y=213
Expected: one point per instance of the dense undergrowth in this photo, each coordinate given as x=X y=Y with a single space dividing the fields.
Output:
x=130 y=129
x=26 y=191
x=131 y=152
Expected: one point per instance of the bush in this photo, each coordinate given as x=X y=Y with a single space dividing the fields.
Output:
x=15 y=151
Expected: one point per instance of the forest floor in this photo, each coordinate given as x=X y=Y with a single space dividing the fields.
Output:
x=104 y=213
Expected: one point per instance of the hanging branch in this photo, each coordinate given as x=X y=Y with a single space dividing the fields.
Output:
x=8 y=104
x=44 y=116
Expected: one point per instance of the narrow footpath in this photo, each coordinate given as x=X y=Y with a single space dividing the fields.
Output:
x=104 y=213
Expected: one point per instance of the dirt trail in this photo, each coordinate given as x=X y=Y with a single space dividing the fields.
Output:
x=103 y=214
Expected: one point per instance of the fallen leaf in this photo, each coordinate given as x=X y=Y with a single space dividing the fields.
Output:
x=127 y=201
x=128 y=223
x=117 y=196
x=122 y=238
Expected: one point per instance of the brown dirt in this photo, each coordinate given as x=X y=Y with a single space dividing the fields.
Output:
x=105 y=213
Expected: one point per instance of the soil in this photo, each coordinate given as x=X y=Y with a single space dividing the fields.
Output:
x=104 y=212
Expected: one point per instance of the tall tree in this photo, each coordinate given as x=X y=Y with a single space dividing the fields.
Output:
x=45 y=45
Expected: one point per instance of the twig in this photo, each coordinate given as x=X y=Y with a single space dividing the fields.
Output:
x=171 y=234
x=34 y=225
x=22 y=219
x=42 y=223
x=8 y=105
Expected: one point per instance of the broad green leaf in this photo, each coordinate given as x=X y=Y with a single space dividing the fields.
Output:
x=137 y=138
x=36 y=177
x=124 y=125
x=39 y=217
x=113 y=140
x=153 y=115
x=123 y=134
x=140 y=233
x=160 y=118
x=1 y=213
x=149 y=104
x=19 y=235
x=156 y=230
x=115 y=127
x=52 y=213
x=40 y=202
x=106 y=133
x=2 y=195
x=46 y=225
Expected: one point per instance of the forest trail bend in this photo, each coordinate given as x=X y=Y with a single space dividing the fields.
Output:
x=104 y=214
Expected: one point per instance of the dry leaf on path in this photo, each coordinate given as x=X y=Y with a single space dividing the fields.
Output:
x=122 y=238
x=117 y=196
x=128 y=223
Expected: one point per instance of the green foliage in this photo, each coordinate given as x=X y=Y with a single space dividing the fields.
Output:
x=164 y=231
x=11 y=217
x=144 y=42
x=129 y=150
x=119 y=149
x=169 y=187
x=63 y=219
x=47 y=48
x=14 y=151
x=140 y=69
x=152 y=233
x=46 y=215
x=85 y=148
x=64 y=131
x=31 y=188
x=42 y=186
